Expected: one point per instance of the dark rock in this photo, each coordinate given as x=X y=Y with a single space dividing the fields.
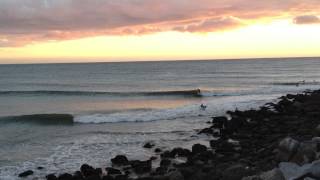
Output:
x=108 y=177
x=180 y=152
x=149 y=145
x=175 y=175
x=78 y=176
x=40 y=168
x=157 y=150
x=94 y=177
x=113 y=171
x=51 y=177
x=65 y=176
x=121 y=177
x=236 y=172
x=198 y=148
x=26 y=173
x=141 y=167
x=87 y=170
x=153 y=158
x=161 y=170
x=167 y=154
x=120 y=160
x=165 y=163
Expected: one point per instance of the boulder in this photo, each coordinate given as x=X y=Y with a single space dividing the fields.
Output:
x=65 y=176
x=121 y=177
x=120 y=160
x=26 y=173
x=198 y=148
x=87 y=170
x=175 y=175
x=51 y=177
x=287 y=148
x=317 y=130
x=165 y=163
x=108 y=177
x=306 y=153
x=274 y=174
x=157 y=150
x=141 y=167
x=112 y=171
x=148 y=145
x=236 y=172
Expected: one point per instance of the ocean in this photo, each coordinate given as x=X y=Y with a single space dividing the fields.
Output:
x=59 y=116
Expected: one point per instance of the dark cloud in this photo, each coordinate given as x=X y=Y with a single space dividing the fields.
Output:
x=306 y=19
x=31 y=21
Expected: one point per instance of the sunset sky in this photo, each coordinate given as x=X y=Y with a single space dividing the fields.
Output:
x=33 y=31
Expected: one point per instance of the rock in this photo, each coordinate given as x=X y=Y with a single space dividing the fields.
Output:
x=157 y=150
x=149 y=145
x=87 y=170
x=175 y=175
x=141 y=167
x=236 y=172
x=108 y=177
x=51 y=177
x=167 y=154
x=78 y=176
x=306 y=153
x=274 y=174
x=198 y=148
x=121 y=177
x=317 y=130
x=40 y=168
x=112 y=171
x=26 y=173
x=180 y=152
x=287 y=148
x=120 y=160
x=165 y=163
x=65 y=176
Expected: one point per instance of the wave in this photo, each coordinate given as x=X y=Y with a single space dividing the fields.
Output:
x=44 y=119
x=194 y=93
x=297 y=83
x=214 y=107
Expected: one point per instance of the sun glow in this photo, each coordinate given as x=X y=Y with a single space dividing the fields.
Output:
x=280 y=38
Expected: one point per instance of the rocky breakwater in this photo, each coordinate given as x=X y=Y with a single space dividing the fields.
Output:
x=278 y=141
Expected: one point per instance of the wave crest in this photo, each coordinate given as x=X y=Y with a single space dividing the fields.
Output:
x=195 y=93
x=44 y=119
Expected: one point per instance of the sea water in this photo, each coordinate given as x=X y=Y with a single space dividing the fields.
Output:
x=59 y=116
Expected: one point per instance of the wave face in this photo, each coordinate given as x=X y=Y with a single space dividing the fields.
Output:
x=44 y=119
x=194 y=93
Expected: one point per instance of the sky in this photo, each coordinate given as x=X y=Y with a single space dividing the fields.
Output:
x=44 y=31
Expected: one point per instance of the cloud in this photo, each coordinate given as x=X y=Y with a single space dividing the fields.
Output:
x=211 y=25
x=306 y=19
x=31 y=21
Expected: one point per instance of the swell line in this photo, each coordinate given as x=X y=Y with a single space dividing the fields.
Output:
x=195 y=93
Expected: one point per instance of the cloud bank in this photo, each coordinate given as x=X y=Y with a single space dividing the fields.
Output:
x=31 y=21
x=306 y=19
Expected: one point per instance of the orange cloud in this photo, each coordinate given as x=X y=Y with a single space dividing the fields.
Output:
x=31 y=21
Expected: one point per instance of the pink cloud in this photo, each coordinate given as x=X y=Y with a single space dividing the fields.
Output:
x=30 y=21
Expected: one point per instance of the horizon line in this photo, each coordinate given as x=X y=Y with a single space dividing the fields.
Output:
x=156 y=60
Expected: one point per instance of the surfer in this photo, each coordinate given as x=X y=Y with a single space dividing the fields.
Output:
x=203 y=107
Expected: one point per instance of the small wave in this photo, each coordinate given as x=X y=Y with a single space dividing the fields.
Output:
x=297 y=83
x=44 y=119
x=194 y=93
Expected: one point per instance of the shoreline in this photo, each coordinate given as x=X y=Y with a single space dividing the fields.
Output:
x=259 y=143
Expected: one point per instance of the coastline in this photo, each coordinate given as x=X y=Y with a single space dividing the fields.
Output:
x=264 y=143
